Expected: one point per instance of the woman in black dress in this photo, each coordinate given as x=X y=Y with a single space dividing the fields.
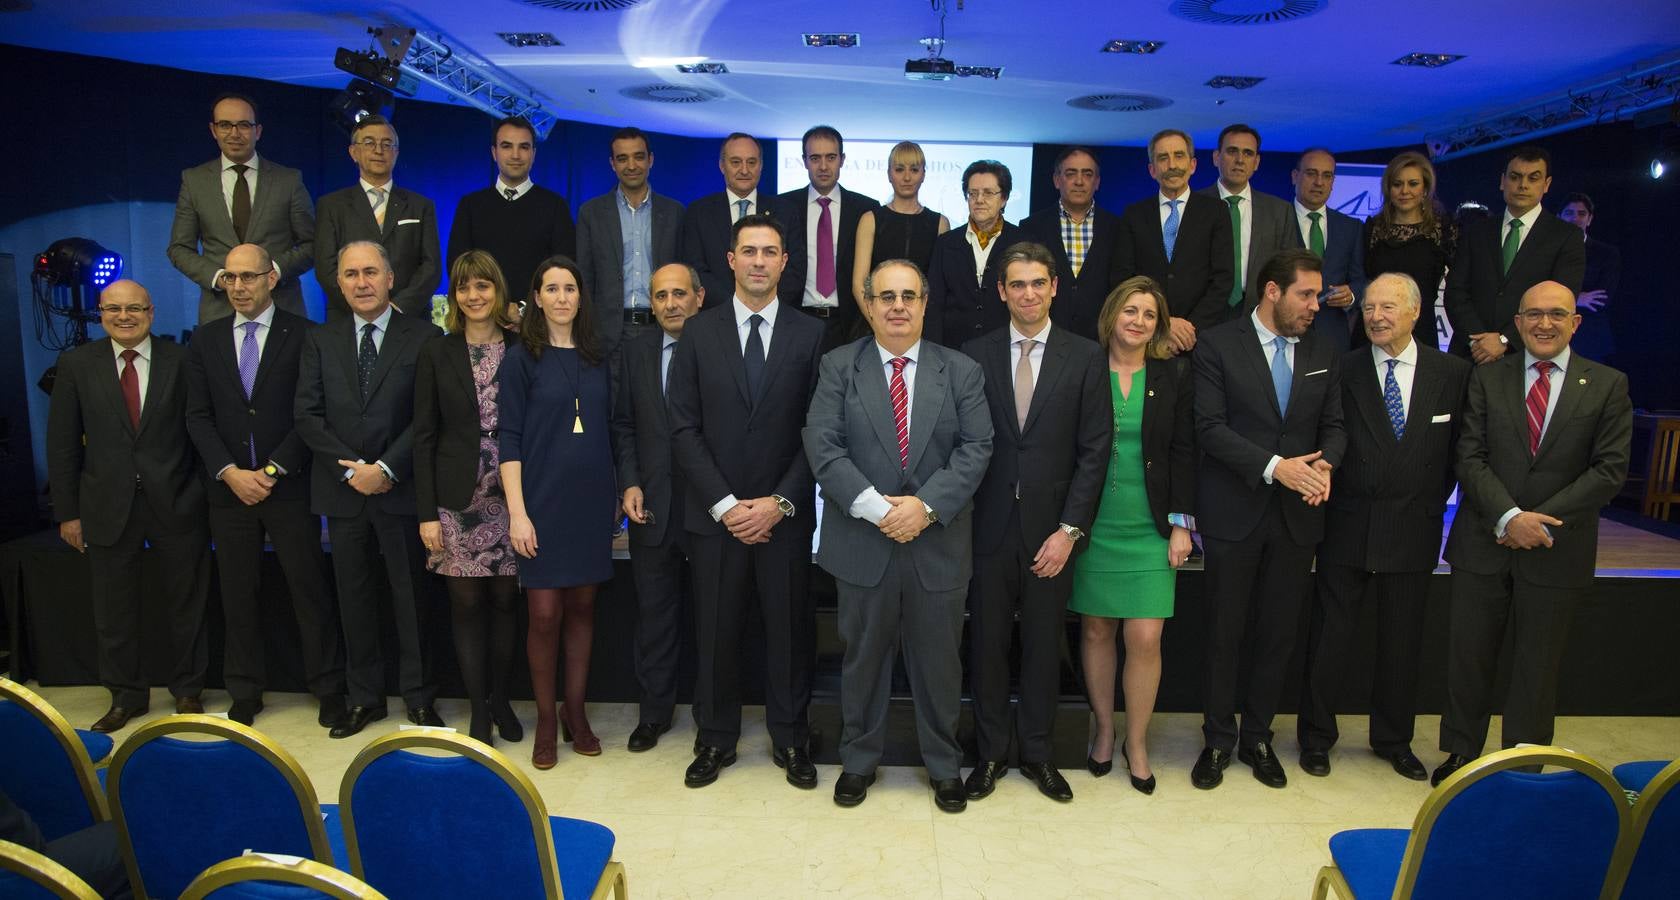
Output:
x=1412 y=235
x=903 y=229
x=555 y=402
x=463 y=514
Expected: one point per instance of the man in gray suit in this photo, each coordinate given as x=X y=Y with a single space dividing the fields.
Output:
x=898 y=437
x=1260 y=223
x=241 y=199
x=622 y=238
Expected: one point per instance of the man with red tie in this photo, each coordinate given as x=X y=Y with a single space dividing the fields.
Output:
x=1545 y=444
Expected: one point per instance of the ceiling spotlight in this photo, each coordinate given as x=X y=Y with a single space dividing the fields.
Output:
x=705 y=68
x=381 y=70
x=1142 y=48
x=529 y=39
x=356 y=102
x=1428 y=60
x=816 y=39
x=1236 y=82
x=1658 y=169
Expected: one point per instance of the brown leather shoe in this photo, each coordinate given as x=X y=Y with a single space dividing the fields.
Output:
x=543 y=751
x=188 y=706
x=116 y=717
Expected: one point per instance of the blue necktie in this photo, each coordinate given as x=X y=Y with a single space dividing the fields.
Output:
x=1281 y=374
x=743 y=206
x=1391 y=400
x=1169 y=229
x=365 y=358
x=248 y=373
x=754 y=357
x=665 y=365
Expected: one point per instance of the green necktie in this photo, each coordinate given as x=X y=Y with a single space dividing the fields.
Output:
x=1513 y=240
x=1315 y=235
x=1236 y=250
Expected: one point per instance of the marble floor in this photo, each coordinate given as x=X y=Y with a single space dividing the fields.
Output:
x=752 y=835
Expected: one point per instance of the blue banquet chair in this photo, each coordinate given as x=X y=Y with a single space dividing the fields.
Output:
x=258 y=876
x=1651 y=861
x=28 y=875
x=45 y=766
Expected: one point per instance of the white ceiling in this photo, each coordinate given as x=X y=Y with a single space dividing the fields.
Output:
x=1329 y=77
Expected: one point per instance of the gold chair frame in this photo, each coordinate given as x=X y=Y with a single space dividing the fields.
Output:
x=44 y=872
x=1662 y=784
x=1411 y=863
x=612 y=878
x=303 y=873
x=67 y=738
x=309 y=807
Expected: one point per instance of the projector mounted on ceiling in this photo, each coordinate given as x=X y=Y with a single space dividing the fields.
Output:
x=935 y=67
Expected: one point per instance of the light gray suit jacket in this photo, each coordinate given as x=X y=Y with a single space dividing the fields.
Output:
x=282 y=222
x=1271 y=231
x=852 y=444
x=600 y=246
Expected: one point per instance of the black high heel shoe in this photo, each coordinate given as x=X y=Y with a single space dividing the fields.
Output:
x=1099 y=769
x=1142 y=785
x=507 y=721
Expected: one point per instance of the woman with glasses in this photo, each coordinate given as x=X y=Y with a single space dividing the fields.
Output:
x=1411 y=235
x=963 y=300
x=904 y=228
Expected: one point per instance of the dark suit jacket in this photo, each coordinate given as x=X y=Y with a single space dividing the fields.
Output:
x=336 y=424
x=1060 y=458
x=1595 y=337
x=1582 y=462
x=724 y=442
x=95 y=457
x=1388 y=498
x=600 y=243
x=1344 y=263
x=224 y=423
x=790 y=209
x=1078 y=298
x=1480 y=299
x=959 y=308
x=1169 y=439
x=1271 y=229
x=281 y=223
x=852 y=444
x=1198 y=280
x=1239 y=429
x=446 y=431
x=704 y=243
x=641 y=431
x=410 y=237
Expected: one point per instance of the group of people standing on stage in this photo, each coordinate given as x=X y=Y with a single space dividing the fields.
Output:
x=1002 y=421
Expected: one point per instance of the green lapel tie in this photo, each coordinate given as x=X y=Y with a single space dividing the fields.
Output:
x=1315 y=235
x=1236 y=249
x=1513 y=240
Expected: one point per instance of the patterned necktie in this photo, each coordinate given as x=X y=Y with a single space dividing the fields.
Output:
x=742 y=206
x=377 y=197
x=665 y=354
x=241 y=202
x=1539 y=396
x=248 y=374
x=1281 y=373
x=1513 y=240
x=510 y=193
x=1024 y=383
x=365 y=360
x=1391 y=401
x=901 y=409
x=1315 y=234
x=825 y=248
x=754 y=356
x=129 y=380
x=1236 y=250
x=1169 y=228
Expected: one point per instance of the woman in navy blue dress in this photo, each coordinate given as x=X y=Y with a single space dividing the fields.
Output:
x=554 y=409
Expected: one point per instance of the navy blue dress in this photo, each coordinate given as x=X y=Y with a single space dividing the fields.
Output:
x=567 y=477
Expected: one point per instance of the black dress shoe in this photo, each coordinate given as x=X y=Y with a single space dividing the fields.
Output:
x=698 y=746
x=800 y=772
x=1260 y=757
x=1451 y=764
x=949 y=795
x=116 y=717
x=1404 y=763
x=1209 y=771
x=1099 y=769
x=851 y=788
x=188 y=706
x=706 y=766
x=332 y=711
x=245 y=711
x=1315 y=762
x=1050 y=782
x=355 y=720
x=646 y=737
x=983 y=780
x=1141 y=785
x=425 y=715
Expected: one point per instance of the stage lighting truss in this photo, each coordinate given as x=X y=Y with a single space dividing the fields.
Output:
x=464 y=76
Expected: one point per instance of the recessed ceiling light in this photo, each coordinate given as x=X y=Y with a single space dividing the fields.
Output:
x=1239 y=82
x=1428 y=60
x=529 y=39
x=705 y=68
x=818 y=39
x=1142 y=48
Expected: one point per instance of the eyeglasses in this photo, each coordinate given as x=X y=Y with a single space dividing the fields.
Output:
x=124 y=310
x=1554 y=316
x=242 y=126
x=890 y=298
x=384 y=146
x=245 y=278
x=984 y=194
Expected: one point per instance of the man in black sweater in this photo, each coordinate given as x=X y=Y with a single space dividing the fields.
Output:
x=514 y=220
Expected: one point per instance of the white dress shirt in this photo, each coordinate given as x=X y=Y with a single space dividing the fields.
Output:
x=142 y=365
x=1304 y=224
x=265 y=319
x=1162 y=201
x=230 y=178
x=813 y=211
x=743 y=330
x=1403 y=373
x=1036 y=359
x=519 y=190
x=753 y=208
x=368 y=187
x=981 y=254
x=1246 y=207
x=1530 y=375
x=1269 y=348
x=380 y=324
x=1528 y=220
x=870 y=505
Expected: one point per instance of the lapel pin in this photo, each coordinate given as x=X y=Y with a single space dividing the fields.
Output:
x=1151 y=393
x=1583 y=381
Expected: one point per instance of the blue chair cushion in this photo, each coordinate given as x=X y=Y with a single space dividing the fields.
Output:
x=98 y=745
x=1370 y=858
x=265 y=890
x=17 y=887
x=1656 y=865
x=38 y=775
x=1634 y=776
x=582 y=850
x=335 y=836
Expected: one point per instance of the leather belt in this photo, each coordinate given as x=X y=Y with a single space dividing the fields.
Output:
x=821 y=312
x=489 y=434
x=638 y=316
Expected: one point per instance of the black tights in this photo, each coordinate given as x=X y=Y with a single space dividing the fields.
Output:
x=481 y=612
x=560 y=614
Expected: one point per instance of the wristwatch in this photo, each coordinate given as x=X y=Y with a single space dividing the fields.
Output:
x=271 y=470
x=1505 y=341
x=932 y=516
x=1073 y=533
x=783 y=504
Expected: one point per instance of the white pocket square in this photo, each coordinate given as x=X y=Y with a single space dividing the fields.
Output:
x=1443 y=417
x=408 y=221
x=1311 y=374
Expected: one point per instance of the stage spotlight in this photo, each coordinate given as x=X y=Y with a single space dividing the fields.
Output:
x=78 y=262
x=66 y=282
x=1657 y=168
x=357 y=101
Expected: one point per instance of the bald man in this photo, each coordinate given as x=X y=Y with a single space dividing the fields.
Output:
x=1545 y=444
x=121 y=469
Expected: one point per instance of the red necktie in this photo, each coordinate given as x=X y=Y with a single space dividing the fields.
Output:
x=901 y=410
x=130 y=381
x=1538 y=396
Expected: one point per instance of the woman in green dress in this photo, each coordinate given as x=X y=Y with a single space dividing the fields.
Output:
x=1142 y=530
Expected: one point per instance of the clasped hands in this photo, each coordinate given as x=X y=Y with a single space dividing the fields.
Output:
x=750 y=521
x=1307 y=475
x=1486 y=347
x=907 y=518
x=1527 y=530
x=249 y=485
x=368 y=479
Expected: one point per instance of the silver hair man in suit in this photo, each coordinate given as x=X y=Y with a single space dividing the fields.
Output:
x=236 y=199
x=898 y=436
x=622 y=237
